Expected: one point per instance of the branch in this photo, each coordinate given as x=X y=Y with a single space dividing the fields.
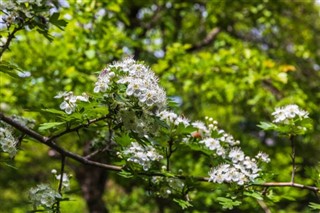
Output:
x=61 y=179
x=84 y=160
x=293 y=157
x=10 y=37
x=51 y=144
x=206 y=41
x=289 y=184
x=52 y=138
x=61 y=173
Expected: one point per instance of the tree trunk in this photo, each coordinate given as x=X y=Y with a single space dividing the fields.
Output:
x=92 y=181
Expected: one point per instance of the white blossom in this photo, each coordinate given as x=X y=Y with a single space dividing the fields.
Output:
x=69 y=104
x=65 y=180
x=43 y=195
x=236 y=155
x=289 y=112
x=211 y=143
x=8 y=142
x=263 y=157
x=172 y=118
x=142 y=155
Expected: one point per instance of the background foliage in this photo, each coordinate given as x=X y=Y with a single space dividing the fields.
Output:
x=234 y=61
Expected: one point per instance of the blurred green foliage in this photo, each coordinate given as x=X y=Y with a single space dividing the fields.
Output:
x=234 y=61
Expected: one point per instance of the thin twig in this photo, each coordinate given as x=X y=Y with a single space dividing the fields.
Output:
x=61 y=173
x=11 y=35
x=264 y=206
x=74 y=129
x=168 y=154
x=61 y=179
x=293 y=156
x=289 y=184
x=50 y=143
x=207 y=40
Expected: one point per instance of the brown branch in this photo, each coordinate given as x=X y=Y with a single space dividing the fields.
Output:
x=74 y=129
x=61 y=179
x=207 y=40
x=289 y=184
x=264 y=206
x=63 y=161
x=51 y=144
x=48 y=142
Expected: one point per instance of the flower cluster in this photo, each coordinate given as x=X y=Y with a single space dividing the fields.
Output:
x=69 y=104
x=18 y=11
x=217 y=143
x=240 y=168
x=263 y=157
x=172 y=118
x=43 y=195
x=240 y=173
x=8 y=142
x=103 y=81
x=142 y=155
x=139 y=80
x=288 y=113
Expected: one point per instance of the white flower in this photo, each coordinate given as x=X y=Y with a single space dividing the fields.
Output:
x=65 y=181
x=289 y=112
x=263 y=157
x=7 y=142
x=236 y=155
x=211 y=143
x=142 y=155
x=172 y=118
x=69 y=104
x=43 y=195
x=202 y=128
x=103 y=80
x=141 y=83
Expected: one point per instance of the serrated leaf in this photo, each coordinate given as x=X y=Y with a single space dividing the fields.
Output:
x=254 y=195
x=183 y=203
x=228 y=203
x=50 y=125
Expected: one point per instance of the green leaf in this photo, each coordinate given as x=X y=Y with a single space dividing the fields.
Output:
x=314 y=205
x=125 y=174
x=228 y=203
x=54 y=111
x=168 y=174
x=183 y=203
x=267 y=126
x=50 y=125
x=45 y=34
x=11 y=69
x=54 y=19
x=123 y=140
x=254 y=195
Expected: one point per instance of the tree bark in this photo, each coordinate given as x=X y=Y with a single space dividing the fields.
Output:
x=92 y=181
